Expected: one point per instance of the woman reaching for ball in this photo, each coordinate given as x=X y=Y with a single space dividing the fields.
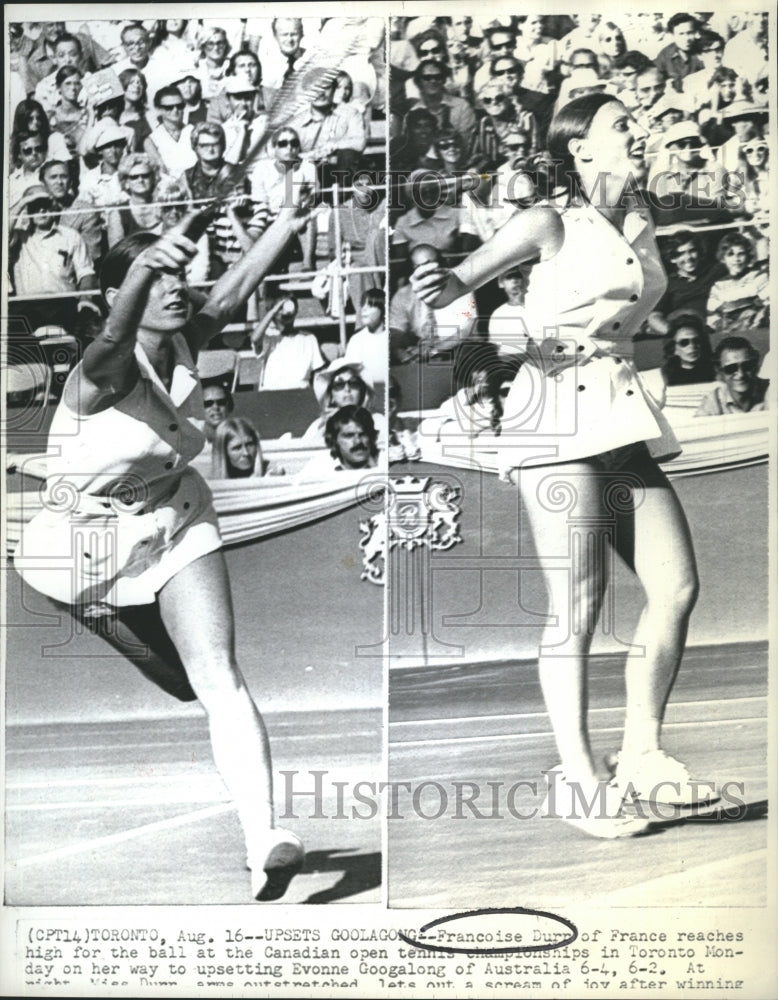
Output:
x=581 y=437
x=128 y=534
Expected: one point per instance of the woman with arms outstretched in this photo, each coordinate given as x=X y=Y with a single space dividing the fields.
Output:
x=580 y=437
x=128 y=538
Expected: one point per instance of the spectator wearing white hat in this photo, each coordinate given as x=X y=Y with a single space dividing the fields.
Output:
x=245 y=66
x=343 y=383
x=189 y=85
x=580 y=82
x=245 y=124
x=100 y=186
x=685 y=177
x=46 y=257
x=743 y=121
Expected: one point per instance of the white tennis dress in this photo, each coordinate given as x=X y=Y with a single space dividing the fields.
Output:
x=123 y=512
x=583 y=307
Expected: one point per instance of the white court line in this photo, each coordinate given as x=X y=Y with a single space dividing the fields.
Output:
x=118 y=838
x=172 y=743
x=111 y=782
x=631 y=895
x=112 y=803
x=592 y=711
x=396 y=744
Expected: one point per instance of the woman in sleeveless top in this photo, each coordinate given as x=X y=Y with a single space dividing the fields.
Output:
x=128 y=534
x=580 y=437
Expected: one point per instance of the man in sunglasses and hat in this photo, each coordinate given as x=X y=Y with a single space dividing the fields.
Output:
x=685 y=179
x=46 y=257
x=740 y=389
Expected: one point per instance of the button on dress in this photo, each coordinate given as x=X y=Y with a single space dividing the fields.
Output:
x=122 y=510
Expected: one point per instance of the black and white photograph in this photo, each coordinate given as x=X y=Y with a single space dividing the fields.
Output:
x=388 y=528
x=579 y=331
x=195 y=365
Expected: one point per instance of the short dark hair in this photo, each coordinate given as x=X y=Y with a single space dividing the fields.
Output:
x=117 y=261
x=67 y=37
x=708 y=37
x=682 y=17
x=216 y=383
x=242 y=52
x=692 y=319
x=163 y=92
x=64 y=72
x=735 y=344
x=633 y=59
x=346 y=415
x=373 y=297
x=442 y=68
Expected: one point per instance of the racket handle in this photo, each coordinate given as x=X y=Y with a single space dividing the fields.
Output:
x=197 y=222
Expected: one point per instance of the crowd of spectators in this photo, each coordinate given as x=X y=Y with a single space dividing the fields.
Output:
x=471 y=104
x=121 y=126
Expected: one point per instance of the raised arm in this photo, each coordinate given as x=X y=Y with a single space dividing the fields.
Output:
x=244 y=277
x=109 y=371
x=535 y=232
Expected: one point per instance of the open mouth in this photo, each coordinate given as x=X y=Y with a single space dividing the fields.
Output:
x=638 y=152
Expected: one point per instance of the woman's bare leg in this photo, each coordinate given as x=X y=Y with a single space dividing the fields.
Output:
x=660 y=552
x=564 y=506
x=196 y=607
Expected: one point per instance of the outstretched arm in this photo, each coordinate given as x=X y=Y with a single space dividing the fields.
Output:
x=244 y=277
x=109 y=370
x=537 y=231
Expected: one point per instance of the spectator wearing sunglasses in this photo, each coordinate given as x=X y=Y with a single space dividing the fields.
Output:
x=218 y=405
x=449 y=111
x=170 y=144
x=509 y=72
x=679 y=59
x=344 y=383
x=755 y=153
x=610 y=47
x=500 y=118
x=282 y=179
x=742 y=122
x=685 y=179
x=46 y=257
x=101 y=185
x=738 y=302
x=138 y=176
x=212 y=64
x=687 y=350
x=740 y=389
